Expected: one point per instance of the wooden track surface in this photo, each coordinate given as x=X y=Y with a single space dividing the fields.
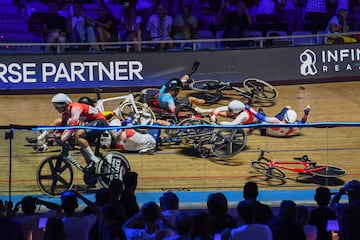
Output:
x=178 y=167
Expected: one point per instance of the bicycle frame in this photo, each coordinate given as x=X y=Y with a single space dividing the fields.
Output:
x=127 y=98
x=307 y=167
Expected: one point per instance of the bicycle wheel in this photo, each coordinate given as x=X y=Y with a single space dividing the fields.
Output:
x=183 y=111
x=54 y=175
x=195 y=133
x=113 y=165
x=228 y=142
x=260 y=89
x=142 y=115
x=264 y=169
x=207 y=85
x=329 y=171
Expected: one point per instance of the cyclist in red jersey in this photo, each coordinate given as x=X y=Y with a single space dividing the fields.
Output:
x=81 y=114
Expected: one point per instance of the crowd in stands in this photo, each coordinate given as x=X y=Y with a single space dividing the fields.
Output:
x=165 y=20
x=115 y=214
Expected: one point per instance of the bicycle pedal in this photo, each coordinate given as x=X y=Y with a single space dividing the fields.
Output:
x=40 y=148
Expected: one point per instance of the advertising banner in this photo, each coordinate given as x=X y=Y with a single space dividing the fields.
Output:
x=152 y=69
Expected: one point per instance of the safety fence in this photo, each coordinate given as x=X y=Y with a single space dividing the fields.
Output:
x=178 y=165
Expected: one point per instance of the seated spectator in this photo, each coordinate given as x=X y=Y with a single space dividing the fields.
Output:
x=169 y=204
x=263 y=212
x=159 y=27
x=10 y=230
x=235 y=23
x=348 y=213
x=266 y=15
x=320 y=215
x=185 y=26
x=105 y=25
x=303 y=219
x=290 y=13
x=54 y=27
x=29 y=221
x=250 y=229
x=337 y=25
x=315 y=15
x=131 y=23
x=217 y=206
x=284 y=226
x=80 y=26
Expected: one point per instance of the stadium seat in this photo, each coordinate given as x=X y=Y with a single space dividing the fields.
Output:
x=308 y=40
x=206 y=34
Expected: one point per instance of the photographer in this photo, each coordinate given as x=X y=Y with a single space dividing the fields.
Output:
x=348 y=213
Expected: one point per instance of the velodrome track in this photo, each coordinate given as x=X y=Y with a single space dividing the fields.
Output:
x=177 y=168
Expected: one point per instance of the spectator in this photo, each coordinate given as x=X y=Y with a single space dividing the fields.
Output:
x=183 y=226
x=217 y=206
x=77 y=227
x=185 y=25
x=315 y=15
x=290 y=13
x=10 y=230
x=266 y=15
x=303 y=219
x=250 y=229
x=131 y=23
x=80 y=26
x=323 y=213
x=54 y=27
x=144 y=224
x=128 y=198
x=263 y=212
x=54 y=229
x=109 y=224
x=105 y=25
x=348 y=213
x=235 y=23
x=337 y=25
x=169 y=204
x=159 y=27
x=202 y=226
x=30 y=220
x=284 y=226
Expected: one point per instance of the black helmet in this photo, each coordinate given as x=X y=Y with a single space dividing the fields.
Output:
x=174 y=84
x=86 y=100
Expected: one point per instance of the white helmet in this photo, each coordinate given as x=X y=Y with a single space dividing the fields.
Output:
x=61 y=99
x=236 y=106
x=290 y=116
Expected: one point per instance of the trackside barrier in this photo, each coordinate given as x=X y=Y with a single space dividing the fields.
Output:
x=193 y=178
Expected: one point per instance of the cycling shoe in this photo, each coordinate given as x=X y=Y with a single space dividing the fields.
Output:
x=40 y=148
x=90 y=166
x=31 y=140
x=147 y=151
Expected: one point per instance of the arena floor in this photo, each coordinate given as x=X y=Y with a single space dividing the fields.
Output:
x=179 y=168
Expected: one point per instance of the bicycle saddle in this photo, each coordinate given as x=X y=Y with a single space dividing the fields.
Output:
x=304 y=158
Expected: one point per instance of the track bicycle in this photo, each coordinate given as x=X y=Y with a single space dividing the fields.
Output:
x=255 y=90
x=126 y=107
x=308 y=168
x=55 y=173
x=209 y=141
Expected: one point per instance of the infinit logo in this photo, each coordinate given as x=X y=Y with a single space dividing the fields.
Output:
x=308 y=60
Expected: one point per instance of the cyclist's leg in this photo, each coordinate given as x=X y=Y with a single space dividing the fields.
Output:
x=82 y=136
x=281 y=114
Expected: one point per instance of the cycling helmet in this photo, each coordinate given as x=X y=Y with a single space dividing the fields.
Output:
x=236 y=106
x=86 y=100
x=290 y=116
x=174 y=84
x=61 y=99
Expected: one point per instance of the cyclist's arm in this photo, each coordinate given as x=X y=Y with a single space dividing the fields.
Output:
x=74 y=120
x=242 y=117
x=221 y=111
x=306 y=114
x=261 y=116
